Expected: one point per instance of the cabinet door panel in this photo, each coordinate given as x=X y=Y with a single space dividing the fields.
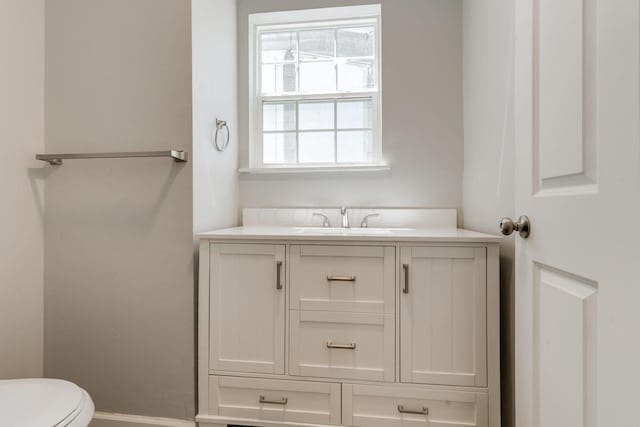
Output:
x=247 y=308
x=443 y=316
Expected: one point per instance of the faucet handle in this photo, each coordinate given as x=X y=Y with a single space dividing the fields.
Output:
x=325 y=220
x=365 y=221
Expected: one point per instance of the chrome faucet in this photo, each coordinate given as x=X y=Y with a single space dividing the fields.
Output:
x=345 y=217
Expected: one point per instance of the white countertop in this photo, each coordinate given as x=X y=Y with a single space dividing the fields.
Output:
x=350 y=234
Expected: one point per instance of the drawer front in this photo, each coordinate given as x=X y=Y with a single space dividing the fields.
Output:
x=275 y=400
x=412 y=406
x=342 y=345
x=343 y=278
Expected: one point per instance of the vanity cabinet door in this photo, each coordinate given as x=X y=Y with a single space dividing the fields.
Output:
x=247 y=308
x=443 y=315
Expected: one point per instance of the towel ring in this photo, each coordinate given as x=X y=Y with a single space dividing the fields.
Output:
x=221 y=124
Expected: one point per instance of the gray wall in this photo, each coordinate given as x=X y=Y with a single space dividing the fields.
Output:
x=21 y=189
x=489 y=151
x=119 y=248
x=421 y=106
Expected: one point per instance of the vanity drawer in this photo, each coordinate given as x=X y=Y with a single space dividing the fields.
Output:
x=342 y=345
x=412 y=406
x=343 y=278
x=275 y=400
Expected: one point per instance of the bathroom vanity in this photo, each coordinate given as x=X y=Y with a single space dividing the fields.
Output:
x=301 y=325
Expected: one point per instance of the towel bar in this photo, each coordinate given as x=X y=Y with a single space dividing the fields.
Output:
x=56 y=159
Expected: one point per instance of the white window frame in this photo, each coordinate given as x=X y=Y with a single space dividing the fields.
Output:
x=304 y=19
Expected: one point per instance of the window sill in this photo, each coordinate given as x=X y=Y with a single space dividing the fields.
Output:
x=315 y=169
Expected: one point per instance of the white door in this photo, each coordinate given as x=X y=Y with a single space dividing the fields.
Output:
x=577 y=179
x=247 y=308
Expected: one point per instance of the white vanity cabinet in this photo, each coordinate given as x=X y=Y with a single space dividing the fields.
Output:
x=367 y=331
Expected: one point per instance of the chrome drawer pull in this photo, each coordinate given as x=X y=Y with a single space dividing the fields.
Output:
x=282 y=401
x=423 y=411
x=351 y=346
x=351 y=278
x=279 y=275
x=405 y=288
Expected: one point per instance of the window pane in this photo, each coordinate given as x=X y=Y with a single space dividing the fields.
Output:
x=317 y=44
x=279 y=47
x=354 y=147
x=279 y=148
x=316 y=115
x=355 y=114
x=316 y=147
x=279 y=78
x=356 y=74
x=279 y=116
x=317 y=76
x=356 y=41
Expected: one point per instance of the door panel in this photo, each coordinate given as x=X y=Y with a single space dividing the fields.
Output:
x=565 y=336
x=564 y=132
x=247 y=308
x=443 y=316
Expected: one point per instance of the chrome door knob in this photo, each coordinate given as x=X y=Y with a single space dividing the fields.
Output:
x=522 y=226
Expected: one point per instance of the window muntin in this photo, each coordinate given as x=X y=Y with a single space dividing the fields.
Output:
x=316 y=93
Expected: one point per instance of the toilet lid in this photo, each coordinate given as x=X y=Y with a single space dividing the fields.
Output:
x=38 y=402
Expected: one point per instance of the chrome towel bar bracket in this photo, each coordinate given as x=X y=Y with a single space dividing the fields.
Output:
x=56 y=159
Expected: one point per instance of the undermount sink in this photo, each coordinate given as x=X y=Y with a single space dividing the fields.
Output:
x=355 y=230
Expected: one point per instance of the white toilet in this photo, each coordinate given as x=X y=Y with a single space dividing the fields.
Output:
x=42 y=402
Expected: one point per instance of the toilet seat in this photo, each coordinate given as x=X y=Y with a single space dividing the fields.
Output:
x=40 y=402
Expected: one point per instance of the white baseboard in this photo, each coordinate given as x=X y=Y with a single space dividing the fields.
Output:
x=105 y=419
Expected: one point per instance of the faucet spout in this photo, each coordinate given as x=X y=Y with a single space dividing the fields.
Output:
x=345 y=217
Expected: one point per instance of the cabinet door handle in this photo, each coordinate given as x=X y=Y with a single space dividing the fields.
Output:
x=282 y=401
x=351 y=346
x=350 y=278
x=405 y=288
x=423 y=411
x=279 y=275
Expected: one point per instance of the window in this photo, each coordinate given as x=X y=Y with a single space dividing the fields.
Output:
x=315 y=88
